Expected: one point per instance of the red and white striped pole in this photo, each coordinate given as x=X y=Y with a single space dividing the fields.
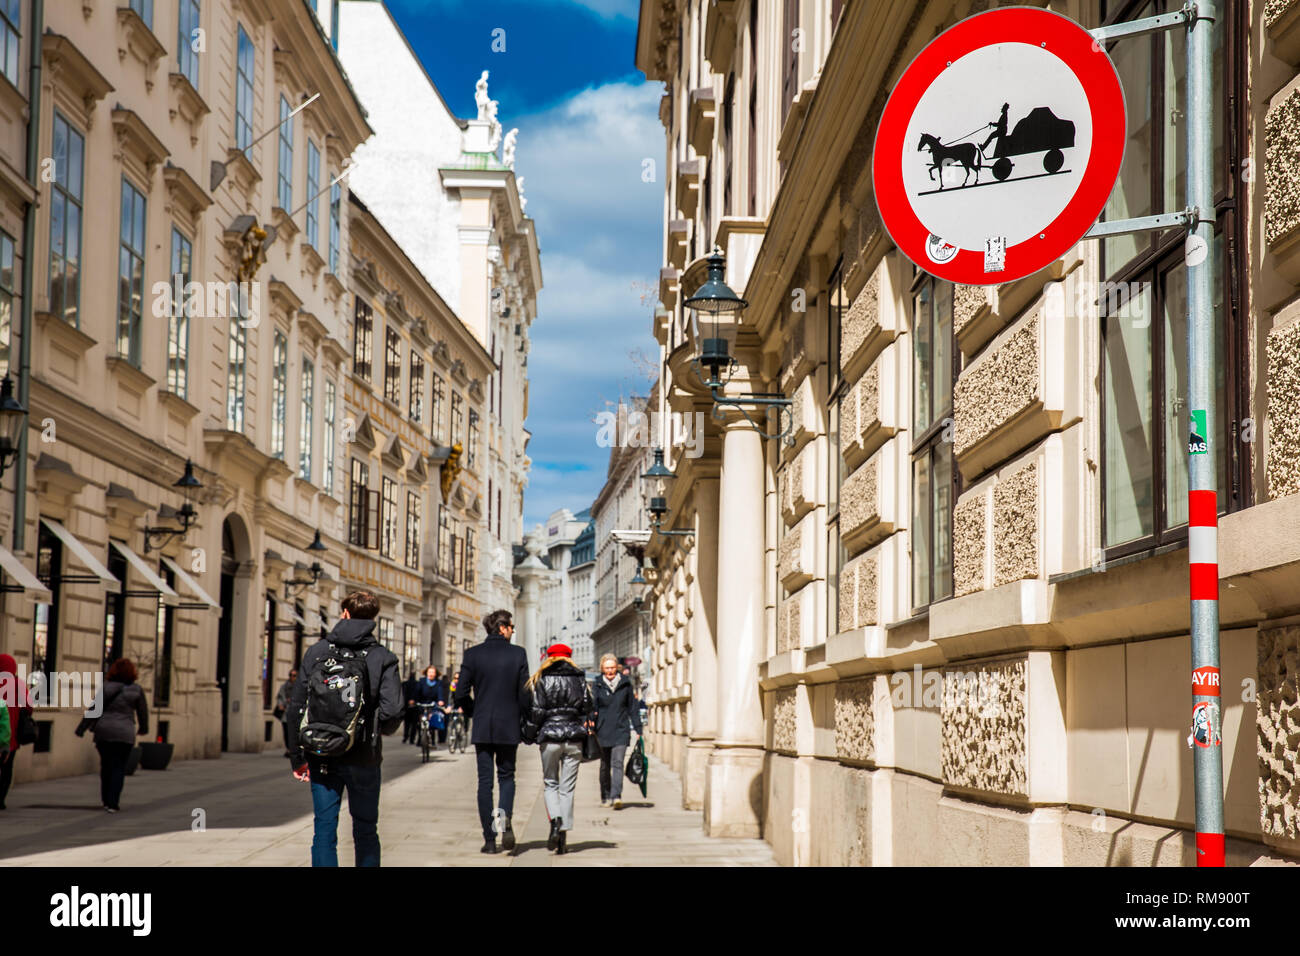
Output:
x=1202 y=446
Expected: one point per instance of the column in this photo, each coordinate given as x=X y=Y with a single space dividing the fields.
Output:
x=702 y=722
x=733 y=801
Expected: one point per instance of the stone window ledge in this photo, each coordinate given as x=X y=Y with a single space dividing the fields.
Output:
x=65 y=334
x=1011 y=617
x=1284 y=31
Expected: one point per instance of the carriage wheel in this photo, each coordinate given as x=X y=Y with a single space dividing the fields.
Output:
x=1002 y=169
x=1054 y=160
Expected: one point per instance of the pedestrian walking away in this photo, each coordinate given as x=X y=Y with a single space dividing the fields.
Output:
x=112 y=718
x=616 y=712
x=491 y=681
x=557 y=719
x=281 y=711
x=347 y=697
x=17 y=707
x=411 y=722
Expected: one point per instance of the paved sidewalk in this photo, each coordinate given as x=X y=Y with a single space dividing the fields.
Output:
x=253 y=813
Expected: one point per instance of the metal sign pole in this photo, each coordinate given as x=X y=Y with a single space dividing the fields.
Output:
x=1203 y=450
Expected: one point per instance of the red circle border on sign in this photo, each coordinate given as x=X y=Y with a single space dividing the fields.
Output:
x=1087 y=58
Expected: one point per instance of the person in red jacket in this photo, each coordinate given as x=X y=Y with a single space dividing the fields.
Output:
x=13 y=695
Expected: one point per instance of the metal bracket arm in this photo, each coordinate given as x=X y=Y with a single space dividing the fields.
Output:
x=1123 y=227
x=1132 y=28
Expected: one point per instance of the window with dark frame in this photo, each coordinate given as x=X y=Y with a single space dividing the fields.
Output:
x=279 y=392
x=471 y=572
x=413 y=516
x=115 y=610
x=436 y=408
x=471 y=457
x=268 y=649
x=388 y=517
x=187 y=60
x=10 y=20
x=7 y=293
x=357 y=501
x=164 y=639
x=130 y=273
x=312 y=200
x=393 y=366
x=417 y=388
x=45 y=617
x=245 y=66
x=837 y=302
x=284 y=167
x=444 y=543
x=69 y=151
x=363 y=335
x=457 y=418
x=1142 y=298
x=178 y=325
x=935 y=480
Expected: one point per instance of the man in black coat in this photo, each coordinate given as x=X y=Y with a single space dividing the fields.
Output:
x=495 y=672
x=356 y=769
x=410 y=729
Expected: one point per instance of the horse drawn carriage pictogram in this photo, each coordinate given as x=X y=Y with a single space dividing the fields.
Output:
x=1041 y=131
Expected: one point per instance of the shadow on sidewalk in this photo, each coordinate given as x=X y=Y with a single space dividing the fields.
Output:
x=236 y=791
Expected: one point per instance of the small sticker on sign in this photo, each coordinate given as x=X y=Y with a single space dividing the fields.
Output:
x=1205 y=726
x=995 y=254
x=939 y=250
x=1196 y=440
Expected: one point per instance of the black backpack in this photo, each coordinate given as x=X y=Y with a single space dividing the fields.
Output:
x=337 y=686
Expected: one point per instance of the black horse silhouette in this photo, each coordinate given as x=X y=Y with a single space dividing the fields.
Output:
x=968 y=154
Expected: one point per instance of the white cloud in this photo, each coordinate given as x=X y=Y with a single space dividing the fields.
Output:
x=599 y=228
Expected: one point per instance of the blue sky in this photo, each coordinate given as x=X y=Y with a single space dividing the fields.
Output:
x=586 y=122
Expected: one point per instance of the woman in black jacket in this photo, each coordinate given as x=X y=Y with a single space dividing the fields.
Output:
x=120 y=704
x=616 y=711
x=557 y=713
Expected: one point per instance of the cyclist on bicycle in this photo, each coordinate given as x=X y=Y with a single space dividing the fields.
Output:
x=430 y=690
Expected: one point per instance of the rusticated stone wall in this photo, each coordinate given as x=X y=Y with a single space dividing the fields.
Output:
x=858 y=590
x=789 y=623
x=1281 y=171
x=859 y=497
x=966 y=301
x=1015 y=527
x=993 y=392
x=855 y=720
x=1283 y=465
x=788 y=554
x=1273 y=10
x=861 y=320
x=1277 y=718
x=969 y=541
x=784 y=720
x=985 y=742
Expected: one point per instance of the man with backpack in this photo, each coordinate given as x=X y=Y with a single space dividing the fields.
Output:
x=347 y=694
x=495 y=672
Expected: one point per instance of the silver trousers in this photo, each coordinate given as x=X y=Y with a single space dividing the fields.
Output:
x=560 y=762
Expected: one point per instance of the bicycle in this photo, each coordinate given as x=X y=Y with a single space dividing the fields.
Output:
x=426 y=740
x=457 y=738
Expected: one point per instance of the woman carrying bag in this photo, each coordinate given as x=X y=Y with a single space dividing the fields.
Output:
x=17 y=707
x=120 y=704
x=616 y=711
x=556 y=716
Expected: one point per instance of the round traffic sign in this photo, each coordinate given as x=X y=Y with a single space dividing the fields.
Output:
x=999 y=146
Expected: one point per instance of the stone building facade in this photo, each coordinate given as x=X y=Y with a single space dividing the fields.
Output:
x=446 y=189
x=416 y=381
x=148 y=116
x=948 y=624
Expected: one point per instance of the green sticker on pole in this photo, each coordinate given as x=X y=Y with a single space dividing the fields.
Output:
x=1197 y=444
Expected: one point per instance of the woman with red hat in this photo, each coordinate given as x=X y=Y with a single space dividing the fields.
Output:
x=13 y=696
x=557 y=714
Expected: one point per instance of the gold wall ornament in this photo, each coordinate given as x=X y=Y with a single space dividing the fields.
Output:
x=451 y=470
x=252 y=252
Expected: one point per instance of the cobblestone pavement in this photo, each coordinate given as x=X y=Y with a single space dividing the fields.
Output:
x=253 y=813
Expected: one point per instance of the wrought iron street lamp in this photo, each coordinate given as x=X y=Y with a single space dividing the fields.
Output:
x=156 y=538
x=13 y=418
x=657 y=477
x=296 y=585
x=716 y=299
